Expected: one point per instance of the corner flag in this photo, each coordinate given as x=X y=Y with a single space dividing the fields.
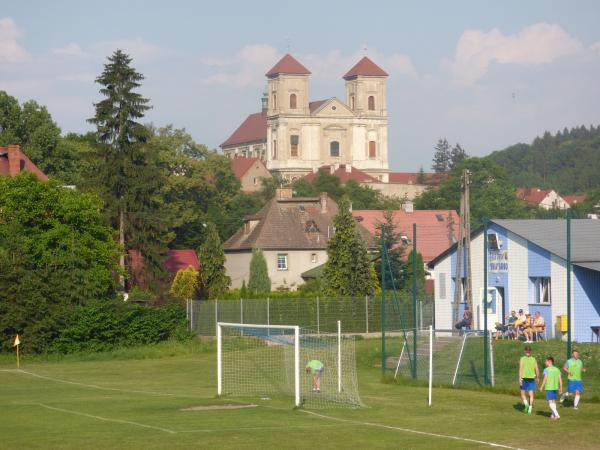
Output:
x=17 y=341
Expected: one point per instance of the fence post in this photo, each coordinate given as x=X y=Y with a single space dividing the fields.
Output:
x=241 y=310
x=367 y=313
x=421 y=314
x=191 y=317
x=268 y=316
x=216 y=312
x=318 y=318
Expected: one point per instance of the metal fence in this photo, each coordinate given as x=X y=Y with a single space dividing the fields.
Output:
x=358 y=315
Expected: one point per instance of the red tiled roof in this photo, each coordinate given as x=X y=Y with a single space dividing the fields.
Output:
x=313 y=106
x=355 y=174
x=241 y=165
x=181 y=260
x=412 y=177
x=365 y=68
x=176 y=260
x=253 y=129
x=574 y=199
x=433 y=227
x=14 y=156
x=532 y=195
x=288 y=65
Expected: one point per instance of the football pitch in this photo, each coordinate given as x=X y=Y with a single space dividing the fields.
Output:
x=164 y=397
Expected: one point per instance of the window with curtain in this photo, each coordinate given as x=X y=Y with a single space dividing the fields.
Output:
x=371 y=103
x=372 y=149
x=294 y=142
x=334 y=149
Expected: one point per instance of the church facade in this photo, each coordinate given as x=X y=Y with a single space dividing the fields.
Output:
x=295 y=136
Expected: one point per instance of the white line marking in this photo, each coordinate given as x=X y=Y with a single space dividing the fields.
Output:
x=408 y=430
x=102 y=388
x=105 y=419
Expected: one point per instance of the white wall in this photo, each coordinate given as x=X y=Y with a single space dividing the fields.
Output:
x=518 y=280
x=443 y=308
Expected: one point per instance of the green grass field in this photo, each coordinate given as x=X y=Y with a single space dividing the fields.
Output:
x=135 y=399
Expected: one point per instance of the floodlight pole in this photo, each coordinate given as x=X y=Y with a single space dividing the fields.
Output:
x=485 y=301
x=569 y=343
x=414 y=301
x=382 y=256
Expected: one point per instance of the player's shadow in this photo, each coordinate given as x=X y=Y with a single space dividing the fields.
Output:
x=544 y=413
x=518 y=407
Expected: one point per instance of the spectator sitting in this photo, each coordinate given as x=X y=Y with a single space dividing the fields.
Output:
x=512 y=330
x=501 y=330
x=527 y=329
x=466 y=321
x=521 y=318
x=539 y=324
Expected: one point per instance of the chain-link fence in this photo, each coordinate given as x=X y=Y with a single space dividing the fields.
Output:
x=358 y=315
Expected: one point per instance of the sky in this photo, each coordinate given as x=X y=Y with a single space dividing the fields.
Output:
x=485 y=74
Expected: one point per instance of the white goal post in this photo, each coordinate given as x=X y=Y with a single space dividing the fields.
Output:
x=264 y=360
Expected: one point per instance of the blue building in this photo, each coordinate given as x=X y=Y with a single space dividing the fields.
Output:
x=527 y=269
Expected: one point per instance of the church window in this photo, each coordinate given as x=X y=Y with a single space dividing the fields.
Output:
x=352 y=102
x=274 y=149
x=372 y=149
x=334 y=149
x=294 y=140
x=293 y=101
x=371 y=103
x=274 y=100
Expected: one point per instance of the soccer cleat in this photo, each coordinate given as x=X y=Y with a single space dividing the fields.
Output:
x=562 y=398
x=575 y=408
x=530 y=409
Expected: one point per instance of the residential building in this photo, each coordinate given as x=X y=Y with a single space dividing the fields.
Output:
x=292 y=232
x=175 y=261
x=436 y=229
x=542 y=198
x=250 y=172
x=13 y=161
x=409 y=185
x=527 y=269
x=294 y=135
x=574 y=199
x=344 y=172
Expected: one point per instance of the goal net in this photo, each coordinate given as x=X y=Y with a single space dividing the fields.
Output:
x=272 y=361
x=444 y=357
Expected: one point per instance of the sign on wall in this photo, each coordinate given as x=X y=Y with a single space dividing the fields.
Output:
x=498 y=261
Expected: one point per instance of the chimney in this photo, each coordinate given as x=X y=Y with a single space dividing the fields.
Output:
x=323 y=200
x=348 y=168
x=14 y=160
x=283 y=193
x=407 y=206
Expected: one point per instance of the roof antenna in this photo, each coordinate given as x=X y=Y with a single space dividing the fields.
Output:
x=288 y=43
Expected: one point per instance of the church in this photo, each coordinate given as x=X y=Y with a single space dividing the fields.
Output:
x=295 y=136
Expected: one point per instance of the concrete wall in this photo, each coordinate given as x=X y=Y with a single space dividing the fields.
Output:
x=397 y=190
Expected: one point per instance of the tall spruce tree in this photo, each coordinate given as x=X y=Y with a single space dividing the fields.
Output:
x=441 y=157
x=215 y=281
x=126 y=170
x=259 y=281
x=421 y=177
x=348 y=271
x=457 y=155
x=395 y=273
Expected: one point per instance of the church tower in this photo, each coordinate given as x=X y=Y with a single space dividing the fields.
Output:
x=288 y=87
x=365 y=89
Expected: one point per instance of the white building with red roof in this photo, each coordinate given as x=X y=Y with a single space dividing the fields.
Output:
x=542 y=198
x=295 y=136
x=250 y=172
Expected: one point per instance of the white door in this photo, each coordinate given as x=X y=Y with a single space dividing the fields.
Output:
x=493 y=309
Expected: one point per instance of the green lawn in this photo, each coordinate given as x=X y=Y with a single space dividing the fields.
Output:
x=134 y=399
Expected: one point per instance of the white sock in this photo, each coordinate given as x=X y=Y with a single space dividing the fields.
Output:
x=553 y=408
x=576 y=402
x=525 y=402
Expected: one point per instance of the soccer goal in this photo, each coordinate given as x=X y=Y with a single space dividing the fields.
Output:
x=317 y=370
x=445 y=357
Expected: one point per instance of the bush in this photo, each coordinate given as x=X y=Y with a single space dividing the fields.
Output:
x=107 y=325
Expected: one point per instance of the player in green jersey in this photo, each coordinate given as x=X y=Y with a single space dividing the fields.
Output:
x=552 y=382
x=529 y=374
x=315 y=368
x=574 y=367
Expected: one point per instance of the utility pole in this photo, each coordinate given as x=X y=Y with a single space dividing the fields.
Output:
x=463 y=248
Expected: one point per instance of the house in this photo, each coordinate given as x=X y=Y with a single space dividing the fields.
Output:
x=250 y=172
x=542 y=198
x=527 y=269
x=409 y=185
x=291 y=231
x=13 y=161
x=436 y=229
x=294 y=135
x=574 y=199
x=175 y=261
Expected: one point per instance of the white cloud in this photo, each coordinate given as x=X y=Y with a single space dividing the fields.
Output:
x=71 y=49
x=540 y=43
x=10 y=49
x=251 y=62
x=138 y=48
